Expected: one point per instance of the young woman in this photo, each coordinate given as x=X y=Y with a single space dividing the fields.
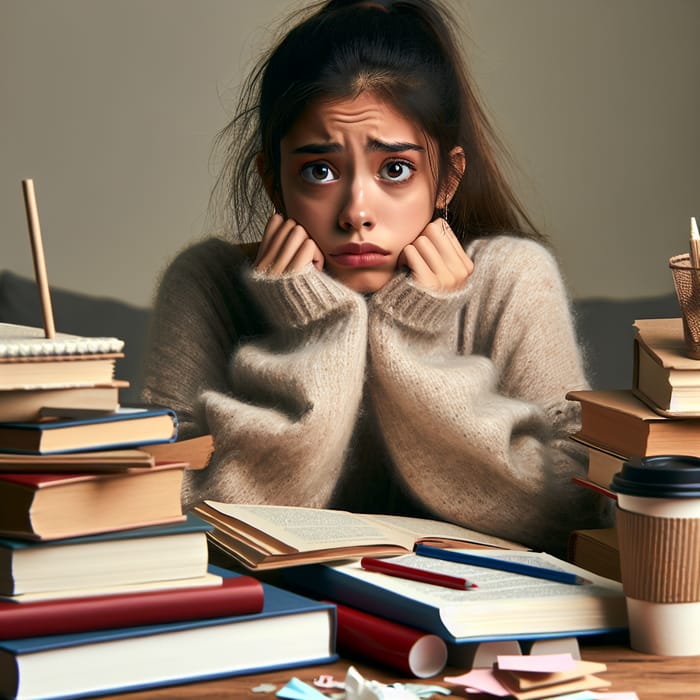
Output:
x=400 y=340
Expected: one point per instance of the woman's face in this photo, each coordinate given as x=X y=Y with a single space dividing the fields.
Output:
x=357 y=176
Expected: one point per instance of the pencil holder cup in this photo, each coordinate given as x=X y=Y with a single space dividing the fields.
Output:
x=686 y=280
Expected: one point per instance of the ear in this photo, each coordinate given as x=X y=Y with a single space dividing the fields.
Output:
x=268 y=181
x=457 y=166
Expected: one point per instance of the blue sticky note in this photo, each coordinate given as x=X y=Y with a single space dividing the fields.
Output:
x=298 y=690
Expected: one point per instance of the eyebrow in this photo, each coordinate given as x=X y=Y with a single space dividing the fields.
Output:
x=396 y=147
x=372 y=145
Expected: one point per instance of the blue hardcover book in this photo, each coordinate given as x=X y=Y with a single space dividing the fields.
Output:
x=119 y=561
x=291 y=631
x=503 y=606
x=128 y=426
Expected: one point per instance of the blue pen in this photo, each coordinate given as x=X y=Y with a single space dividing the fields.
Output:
x=494 y=563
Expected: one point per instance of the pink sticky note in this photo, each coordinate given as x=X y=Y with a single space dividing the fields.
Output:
x=539 y=663
x=480 y=679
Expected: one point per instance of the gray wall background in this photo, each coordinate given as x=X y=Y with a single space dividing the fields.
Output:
x=111 y=106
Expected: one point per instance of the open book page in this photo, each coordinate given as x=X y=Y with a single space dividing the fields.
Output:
x=303 y=529
x=441 y=534
x=286 y=529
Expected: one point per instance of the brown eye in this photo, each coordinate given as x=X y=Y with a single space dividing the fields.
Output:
x=317 y=173
x=396 y=171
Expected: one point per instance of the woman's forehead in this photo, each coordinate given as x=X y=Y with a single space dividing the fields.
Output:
x=329 y=119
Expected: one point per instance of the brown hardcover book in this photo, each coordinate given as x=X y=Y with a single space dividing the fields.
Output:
x=597 y=551
x=196 y=451
x=664 y=378
x=268 y=537
x=99 y=461
x=51 y=506
x=602 y=466
x=32 y=404
x=617 y=421
x=59 y=371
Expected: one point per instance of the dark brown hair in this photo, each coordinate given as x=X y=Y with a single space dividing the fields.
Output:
x=406 y=53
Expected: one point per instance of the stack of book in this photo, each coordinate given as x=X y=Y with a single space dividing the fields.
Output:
x=59 y=395
x=658 y=415
x=103 y=580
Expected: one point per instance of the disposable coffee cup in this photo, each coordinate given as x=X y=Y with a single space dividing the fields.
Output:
x=658 y=524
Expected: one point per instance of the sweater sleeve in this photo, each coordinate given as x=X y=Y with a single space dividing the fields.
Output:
x=272 y=368
x=470 y=391
x=284 y=420
x=198 y=317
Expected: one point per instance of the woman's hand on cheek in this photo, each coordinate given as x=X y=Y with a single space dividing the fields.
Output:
x=286 y=247
x=436 y=259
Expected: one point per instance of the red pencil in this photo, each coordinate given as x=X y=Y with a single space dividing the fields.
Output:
x=408 y=572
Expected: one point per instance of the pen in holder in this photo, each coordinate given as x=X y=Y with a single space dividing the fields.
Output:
x=686 y=279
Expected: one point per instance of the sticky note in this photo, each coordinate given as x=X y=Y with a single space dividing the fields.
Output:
x=539 y=663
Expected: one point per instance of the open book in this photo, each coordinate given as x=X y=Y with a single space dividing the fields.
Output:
x=505 y=605
x=267 y=537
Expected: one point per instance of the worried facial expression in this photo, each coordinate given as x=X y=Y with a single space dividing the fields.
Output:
x=360 y=178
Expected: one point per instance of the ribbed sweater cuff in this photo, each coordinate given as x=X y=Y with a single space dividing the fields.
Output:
x=419 y=309
x=298 y=299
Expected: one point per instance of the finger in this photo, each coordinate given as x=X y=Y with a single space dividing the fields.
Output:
x=308 y=253
x=439 y=258
x=429 y=253
x=295 y=241
x=281 y=247
x=451 y=255
x=445 y=240
x=273 y=225
x=421 y=273
x=449 y=272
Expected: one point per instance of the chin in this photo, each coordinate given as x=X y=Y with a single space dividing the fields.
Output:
x=364 y=281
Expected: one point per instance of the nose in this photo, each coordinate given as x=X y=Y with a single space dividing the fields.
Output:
x=356 y=213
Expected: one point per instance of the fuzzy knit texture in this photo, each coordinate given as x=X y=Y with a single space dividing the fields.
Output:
x=409 y=401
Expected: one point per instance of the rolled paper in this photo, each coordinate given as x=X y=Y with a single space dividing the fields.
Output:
x=405 y=649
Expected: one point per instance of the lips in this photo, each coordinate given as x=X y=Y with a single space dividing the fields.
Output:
x=359 y=249
x=359 y=255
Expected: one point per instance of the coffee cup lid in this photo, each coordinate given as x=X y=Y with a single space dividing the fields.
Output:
x=662 y=476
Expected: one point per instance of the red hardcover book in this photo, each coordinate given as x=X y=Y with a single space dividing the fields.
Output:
x=239 y=595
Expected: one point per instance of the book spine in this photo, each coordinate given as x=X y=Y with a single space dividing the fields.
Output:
x=235 y=596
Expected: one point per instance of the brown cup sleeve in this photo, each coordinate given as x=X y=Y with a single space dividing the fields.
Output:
x=659 y=557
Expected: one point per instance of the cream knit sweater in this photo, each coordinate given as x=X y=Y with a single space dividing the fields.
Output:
x=445 y=405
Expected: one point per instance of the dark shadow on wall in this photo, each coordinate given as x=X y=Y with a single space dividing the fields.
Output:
x=605 y=334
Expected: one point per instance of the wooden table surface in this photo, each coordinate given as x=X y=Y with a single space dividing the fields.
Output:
x=651 y=677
